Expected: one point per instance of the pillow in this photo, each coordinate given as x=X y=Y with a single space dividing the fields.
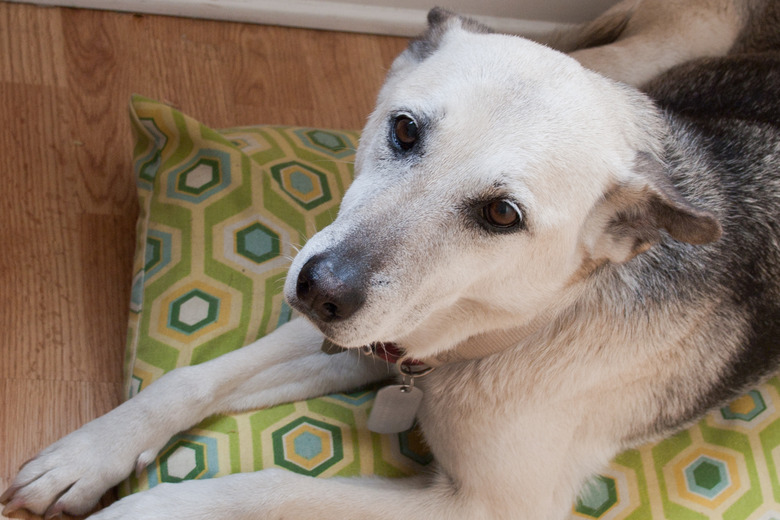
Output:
x=221 y=213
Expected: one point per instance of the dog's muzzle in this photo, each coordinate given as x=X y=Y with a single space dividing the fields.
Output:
x=330 y=289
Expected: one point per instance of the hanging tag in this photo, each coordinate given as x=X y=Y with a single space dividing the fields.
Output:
x=331 y=348
x=395 y=409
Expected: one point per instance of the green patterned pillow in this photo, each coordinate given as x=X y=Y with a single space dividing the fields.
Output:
x=221 y=216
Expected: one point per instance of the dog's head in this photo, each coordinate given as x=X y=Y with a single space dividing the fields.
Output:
x=494 y=175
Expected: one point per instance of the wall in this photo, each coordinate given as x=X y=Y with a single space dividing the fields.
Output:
x=397 y=17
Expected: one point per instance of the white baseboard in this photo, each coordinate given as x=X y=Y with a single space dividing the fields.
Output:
x=314 y=14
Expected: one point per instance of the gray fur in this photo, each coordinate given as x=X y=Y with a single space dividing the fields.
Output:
x=439 y=21
x=723 y=152
x=712 y=218
x=762 y=29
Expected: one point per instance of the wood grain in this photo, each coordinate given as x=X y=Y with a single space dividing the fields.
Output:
x=67 y=196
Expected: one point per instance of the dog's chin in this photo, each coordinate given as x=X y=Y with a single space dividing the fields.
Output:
x=342 y=333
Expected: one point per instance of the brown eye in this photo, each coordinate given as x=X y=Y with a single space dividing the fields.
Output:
x=405 y=132
x=501 y=214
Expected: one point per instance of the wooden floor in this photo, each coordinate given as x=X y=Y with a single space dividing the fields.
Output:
x=67 y=199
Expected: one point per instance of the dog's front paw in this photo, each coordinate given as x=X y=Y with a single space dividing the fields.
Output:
x=72 y=474
x=67 y=476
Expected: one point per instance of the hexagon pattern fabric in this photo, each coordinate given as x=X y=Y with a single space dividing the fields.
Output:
x=221 y=215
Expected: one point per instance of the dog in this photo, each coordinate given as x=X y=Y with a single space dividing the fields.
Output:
x=525 y=240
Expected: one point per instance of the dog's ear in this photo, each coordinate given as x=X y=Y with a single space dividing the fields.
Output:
x=441 y=21
x=629 y=219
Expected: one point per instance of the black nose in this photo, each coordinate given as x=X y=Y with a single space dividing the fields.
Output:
x=329 y=289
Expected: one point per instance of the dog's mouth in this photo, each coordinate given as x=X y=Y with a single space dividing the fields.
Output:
x=389 y=352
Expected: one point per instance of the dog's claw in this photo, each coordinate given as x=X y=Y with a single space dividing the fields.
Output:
x=55 y=510
x=12 y=507
x=7 y=494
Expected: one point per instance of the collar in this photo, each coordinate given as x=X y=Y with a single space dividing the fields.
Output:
x=391 y=353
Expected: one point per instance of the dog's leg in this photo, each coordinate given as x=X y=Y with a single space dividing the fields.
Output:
x=661 y=34
x=275 y=494
x=527 y=471
x=74 y=472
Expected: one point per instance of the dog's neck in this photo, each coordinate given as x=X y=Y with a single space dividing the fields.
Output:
x=475 y=347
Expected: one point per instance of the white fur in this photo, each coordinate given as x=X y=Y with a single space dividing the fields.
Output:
x=514 y=434
x=438 y=290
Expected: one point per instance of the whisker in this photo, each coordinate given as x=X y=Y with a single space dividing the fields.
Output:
x=337 y=161
x=279 y=284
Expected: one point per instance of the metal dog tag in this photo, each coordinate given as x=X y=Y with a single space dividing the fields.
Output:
x=395 y=408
